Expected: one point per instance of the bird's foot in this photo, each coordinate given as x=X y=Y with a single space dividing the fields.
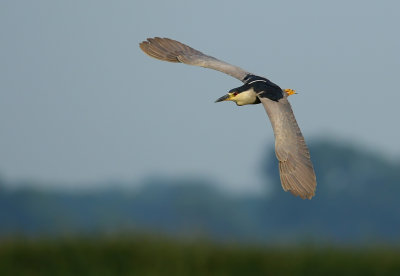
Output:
x=290 y=91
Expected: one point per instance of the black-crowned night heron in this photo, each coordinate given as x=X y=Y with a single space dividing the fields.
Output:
x=295 y=167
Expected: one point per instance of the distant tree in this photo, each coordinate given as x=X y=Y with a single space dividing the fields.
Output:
x=344 y=169
x=357 y=195
x=1 y=183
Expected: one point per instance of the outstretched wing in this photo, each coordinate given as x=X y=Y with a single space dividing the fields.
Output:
x=295 y=167
x=173 y=51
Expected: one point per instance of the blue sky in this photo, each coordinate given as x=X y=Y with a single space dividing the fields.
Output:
x=80 y=103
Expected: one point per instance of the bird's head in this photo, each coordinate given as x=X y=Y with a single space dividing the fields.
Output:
x=246 y=94
x=242 y=95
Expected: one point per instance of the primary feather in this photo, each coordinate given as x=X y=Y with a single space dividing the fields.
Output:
x=173 y=51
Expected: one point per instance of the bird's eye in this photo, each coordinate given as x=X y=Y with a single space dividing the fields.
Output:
x=235 y=93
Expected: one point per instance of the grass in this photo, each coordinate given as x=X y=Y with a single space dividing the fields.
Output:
x=157 y=256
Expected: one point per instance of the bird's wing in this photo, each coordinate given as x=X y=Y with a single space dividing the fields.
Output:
x=173 y=51
x=295 y=167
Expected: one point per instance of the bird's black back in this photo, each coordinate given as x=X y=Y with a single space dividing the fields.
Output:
x=263 y=87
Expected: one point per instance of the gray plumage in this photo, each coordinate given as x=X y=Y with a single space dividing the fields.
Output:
x=295 y=167
x=173 y=51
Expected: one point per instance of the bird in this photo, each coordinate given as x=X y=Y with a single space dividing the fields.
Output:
x=295 y=166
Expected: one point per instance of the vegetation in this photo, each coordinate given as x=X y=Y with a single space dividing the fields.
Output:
x=157 y=256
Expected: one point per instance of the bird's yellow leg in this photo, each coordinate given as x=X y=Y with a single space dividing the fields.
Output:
x=290 y=91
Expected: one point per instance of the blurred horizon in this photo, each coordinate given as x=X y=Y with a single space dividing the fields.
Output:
x=355 y=204
x=135 y=183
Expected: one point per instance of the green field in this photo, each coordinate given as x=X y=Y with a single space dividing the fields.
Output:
x=156 y=256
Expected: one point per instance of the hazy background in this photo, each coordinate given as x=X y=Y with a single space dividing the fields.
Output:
x=114 y=163
x=81 y=104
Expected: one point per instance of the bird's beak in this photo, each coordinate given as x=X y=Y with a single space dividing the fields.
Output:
x=227 y=97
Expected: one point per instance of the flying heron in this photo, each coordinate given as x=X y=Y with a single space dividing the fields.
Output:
x=295 y=166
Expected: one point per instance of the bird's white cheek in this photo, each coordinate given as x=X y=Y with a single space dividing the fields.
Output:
x=248 y=97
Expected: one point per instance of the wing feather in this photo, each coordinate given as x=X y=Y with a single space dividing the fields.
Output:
x=174 y=51
x=295 y=166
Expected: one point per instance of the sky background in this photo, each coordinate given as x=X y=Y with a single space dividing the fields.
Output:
x=80 y=103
